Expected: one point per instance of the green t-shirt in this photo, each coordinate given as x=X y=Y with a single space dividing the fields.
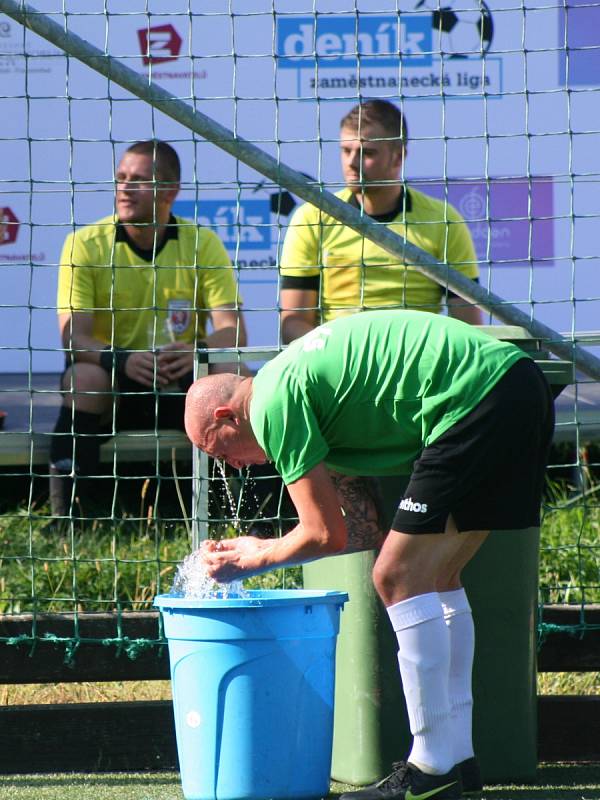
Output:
x=365 y=394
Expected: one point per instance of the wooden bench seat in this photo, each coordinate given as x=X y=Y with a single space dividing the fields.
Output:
x=22 y=449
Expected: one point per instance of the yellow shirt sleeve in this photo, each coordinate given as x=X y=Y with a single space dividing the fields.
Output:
x=75 y=283
x=301 y=252
x=460 y=250
x=218 y=286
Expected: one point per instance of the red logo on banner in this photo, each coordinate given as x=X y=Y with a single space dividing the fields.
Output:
x=160 y=43
x=9 y=226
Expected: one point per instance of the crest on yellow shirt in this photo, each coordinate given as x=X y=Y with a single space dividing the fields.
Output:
x=179 y=316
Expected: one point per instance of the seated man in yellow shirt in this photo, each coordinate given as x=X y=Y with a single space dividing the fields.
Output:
x=329 y=270
x=135 y=293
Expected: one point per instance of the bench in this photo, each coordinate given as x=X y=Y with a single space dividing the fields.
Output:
x=32 y=403
x=25 y=449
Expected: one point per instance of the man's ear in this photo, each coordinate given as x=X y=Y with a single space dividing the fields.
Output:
x=223 y=412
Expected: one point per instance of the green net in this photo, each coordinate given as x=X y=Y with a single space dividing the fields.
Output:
x=500 y=114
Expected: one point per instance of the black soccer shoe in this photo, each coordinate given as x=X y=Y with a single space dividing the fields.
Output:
x=470 y=775
x=407 y=782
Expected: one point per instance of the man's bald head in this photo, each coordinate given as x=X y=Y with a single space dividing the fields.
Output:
x=204 y=396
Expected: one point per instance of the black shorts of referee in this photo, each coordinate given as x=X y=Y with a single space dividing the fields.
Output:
x=488 y=470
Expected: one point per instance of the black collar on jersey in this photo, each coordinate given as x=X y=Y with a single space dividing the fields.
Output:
x=171 y=232
x=403 y=206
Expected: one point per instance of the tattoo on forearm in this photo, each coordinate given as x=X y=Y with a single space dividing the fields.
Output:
x=357 y=498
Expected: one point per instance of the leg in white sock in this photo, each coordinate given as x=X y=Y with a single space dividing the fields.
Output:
x=424 y=659
x=459 y=620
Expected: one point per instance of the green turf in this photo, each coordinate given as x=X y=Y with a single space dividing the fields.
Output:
x=554 y=782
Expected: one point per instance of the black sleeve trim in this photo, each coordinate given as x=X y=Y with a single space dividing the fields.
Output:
x=449 y=293
x=311 y=282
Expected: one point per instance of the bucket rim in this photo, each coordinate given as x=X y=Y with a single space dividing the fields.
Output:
x=254 y=598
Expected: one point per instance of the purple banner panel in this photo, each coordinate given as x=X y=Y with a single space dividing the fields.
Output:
x=579 y=29
x=510 y=219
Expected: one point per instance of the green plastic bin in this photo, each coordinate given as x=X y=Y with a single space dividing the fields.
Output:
x=371 y=723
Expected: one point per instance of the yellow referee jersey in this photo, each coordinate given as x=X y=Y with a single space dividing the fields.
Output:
x=139 y=298
x=354 y=274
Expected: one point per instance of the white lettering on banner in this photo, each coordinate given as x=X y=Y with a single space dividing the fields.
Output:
x=383 y=41
x=240 y=224
x=458 y=79
x=427 y=51
x=235 y=225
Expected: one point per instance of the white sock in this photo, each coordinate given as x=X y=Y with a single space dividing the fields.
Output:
x=424 y=659
x=458 y=617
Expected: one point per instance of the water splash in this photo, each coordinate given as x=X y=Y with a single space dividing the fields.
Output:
x=193 y=582
x=233 y=507
x=191 y=579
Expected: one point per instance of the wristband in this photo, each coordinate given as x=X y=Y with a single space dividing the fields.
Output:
x=114 y=355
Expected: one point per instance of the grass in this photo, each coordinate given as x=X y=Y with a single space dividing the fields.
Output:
x=100 y=692
x=578 y=683
x=575 y=683
x=553 y=782
x=570 y=549
x=107 y=567
x=103 y=566
x=97 y=565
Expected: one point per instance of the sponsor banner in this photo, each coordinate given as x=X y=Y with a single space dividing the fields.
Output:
x=495 y=107
x=511 y=221
x=467 y=79
x=21 y=55
x=159 y=43
x=242 y=224
x=579 y=29
x=249 y=230
x=164 y=52
x=439 y=51
x=9 y=226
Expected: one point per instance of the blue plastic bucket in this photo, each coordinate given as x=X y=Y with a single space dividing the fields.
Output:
x=253 y=688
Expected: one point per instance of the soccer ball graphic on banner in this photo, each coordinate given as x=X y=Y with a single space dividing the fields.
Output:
x=461 y=28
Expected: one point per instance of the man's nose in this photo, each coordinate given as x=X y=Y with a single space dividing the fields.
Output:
x=354 y=161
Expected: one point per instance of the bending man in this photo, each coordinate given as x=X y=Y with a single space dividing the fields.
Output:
x=469 y=418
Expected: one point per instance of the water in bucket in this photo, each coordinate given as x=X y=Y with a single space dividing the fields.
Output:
x=192 y=581
x=253 y=689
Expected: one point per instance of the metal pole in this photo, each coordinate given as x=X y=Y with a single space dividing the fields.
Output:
x=294 y=181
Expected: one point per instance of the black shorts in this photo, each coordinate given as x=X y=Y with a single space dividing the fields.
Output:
x=488 y=470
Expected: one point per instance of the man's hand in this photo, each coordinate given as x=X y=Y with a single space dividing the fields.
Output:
x=232 y=559
x=320 y=532
x=175 y=360
x=140 y=367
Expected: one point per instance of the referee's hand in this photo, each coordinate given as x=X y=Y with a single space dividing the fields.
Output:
x=176 y=360
x=144 y=368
